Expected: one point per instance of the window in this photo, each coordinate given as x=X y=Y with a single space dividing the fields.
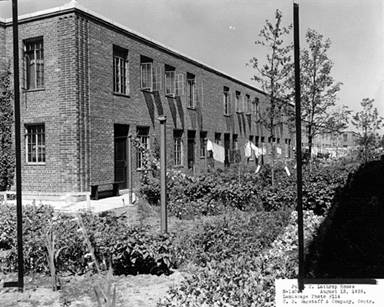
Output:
x=170 y=80
x=248 y=104
x=278 y=140
x=178 y=147
x=34 y=64
x=255 y=102
x=226 y=101
x=345 y=137
x=142 y=135
x=35 y=144
x=262 y=139
x=237 y=102
x=146 y=67
x=180 y=84
x=191 y=83
x=120 y=70
x=156 y=78
x=203 y=144
x=251 y=138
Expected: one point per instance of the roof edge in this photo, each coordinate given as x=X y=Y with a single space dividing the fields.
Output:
x=74 y=6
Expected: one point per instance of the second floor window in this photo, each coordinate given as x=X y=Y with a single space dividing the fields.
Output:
x=120 y=70
x=226 y=101
x=192 y=94
x=170 y=81
x=248 y=104
x=180 y=84
x=255 y=102
x=237 y=102
x=146 y=73
x=34 y=64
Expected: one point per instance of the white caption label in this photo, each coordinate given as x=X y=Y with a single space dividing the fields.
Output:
x=328 y=294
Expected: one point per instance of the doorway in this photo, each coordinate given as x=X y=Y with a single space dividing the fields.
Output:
x=121 y=155
x=227 y=144
x=191 y=149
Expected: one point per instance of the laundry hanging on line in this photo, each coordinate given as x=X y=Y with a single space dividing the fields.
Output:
x=217 y=150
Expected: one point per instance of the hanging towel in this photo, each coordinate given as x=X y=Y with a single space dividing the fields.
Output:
x=258 y=168
x=218 y=152
x=278 y=150
x=256 y=150
x=263 y=150
x=209 y=145
x=248 y=149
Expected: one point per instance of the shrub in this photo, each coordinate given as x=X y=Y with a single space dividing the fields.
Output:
x=244 y=279
x=131 y=250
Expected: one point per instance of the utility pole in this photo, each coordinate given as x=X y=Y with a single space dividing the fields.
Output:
x=16 y=94
x=296 y=41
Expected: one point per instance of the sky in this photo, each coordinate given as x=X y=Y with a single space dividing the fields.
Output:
x=221 y=33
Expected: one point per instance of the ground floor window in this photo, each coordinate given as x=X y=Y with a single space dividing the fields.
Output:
x=35 y=143
x=143 y=138
x=178 y=148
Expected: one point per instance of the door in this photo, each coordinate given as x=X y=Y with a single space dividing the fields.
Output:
x=191 y=149
x=121 y=155
x=227 y=144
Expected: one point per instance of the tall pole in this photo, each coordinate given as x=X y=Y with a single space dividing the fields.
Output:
x=16 y=86
x=163 y=174
x=298 y=146
x=130 y=168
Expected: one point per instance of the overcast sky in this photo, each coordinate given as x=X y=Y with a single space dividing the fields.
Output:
x=221 y=33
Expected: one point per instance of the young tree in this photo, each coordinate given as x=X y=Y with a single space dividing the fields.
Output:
x=319 y=90
x=367 y=121
x=272 y=75
x=7 y=161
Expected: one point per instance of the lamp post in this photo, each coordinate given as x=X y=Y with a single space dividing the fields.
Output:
x=163 y=174
x=16 y=86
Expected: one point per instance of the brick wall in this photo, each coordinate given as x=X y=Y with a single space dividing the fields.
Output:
x=80 y=110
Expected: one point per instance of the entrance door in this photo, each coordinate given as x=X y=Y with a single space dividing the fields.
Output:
x=191 y=149
x=227 y=144
x=121 y=155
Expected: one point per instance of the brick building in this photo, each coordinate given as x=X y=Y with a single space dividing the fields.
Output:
x=87 y=82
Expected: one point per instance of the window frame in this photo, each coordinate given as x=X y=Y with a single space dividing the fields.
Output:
x=37 y=61
x=143 y=138
x=148 y=76
x=178 y=148
x=35 y=135
x=192 y=91
x=120 y=71
x=170 y=81
x=226 y=101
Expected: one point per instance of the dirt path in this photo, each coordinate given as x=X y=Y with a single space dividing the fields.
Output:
x=132 y=291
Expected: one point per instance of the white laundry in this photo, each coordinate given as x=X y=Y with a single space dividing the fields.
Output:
x=256 y=150
x=218 y=152
x=258 y=168
x=278 y=150
x=209 y=145
x=248 y=149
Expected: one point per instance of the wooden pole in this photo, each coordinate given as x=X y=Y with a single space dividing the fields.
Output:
x=163 y=174
x=298 y=146
x=130 y=168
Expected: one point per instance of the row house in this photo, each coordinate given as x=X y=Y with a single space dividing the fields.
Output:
x=88 y=82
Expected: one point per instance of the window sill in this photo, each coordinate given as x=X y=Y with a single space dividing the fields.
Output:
x=121 y=95
x=178 y=166
x=170 y=96
x=202 y=157
x=227 y=115
x=35 y=163
x=34 y=90
x=191 y=108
